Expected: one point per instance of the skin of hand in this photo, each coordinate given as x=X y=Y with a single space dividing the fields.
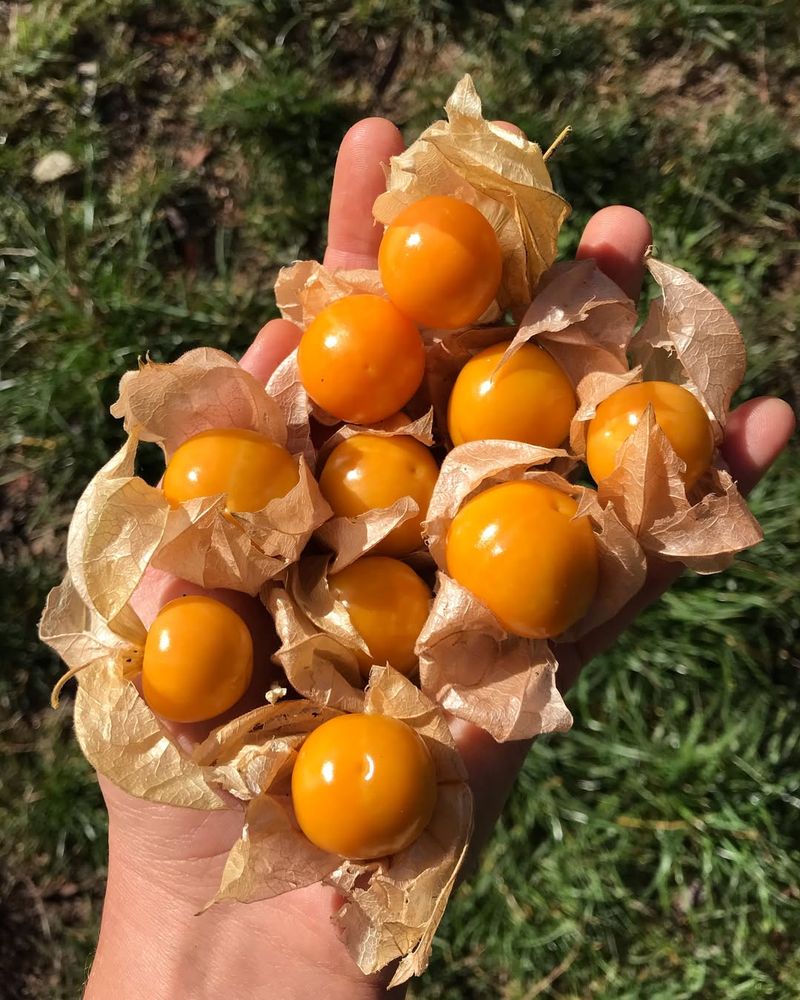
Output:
x=165 y=862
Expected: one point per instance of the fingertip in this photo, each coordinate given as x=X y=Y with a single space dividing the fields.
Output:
x=508 y=127
x=273 y=342
x=756 y=433
x=353 y=236
x=617 y=237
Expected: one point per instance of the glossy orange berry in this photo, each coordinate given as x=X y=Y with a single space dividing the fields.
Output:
x=440 y=262
x=361 y=359
x=246 y=466
x=388 y=605
x=363 y=786
x=198 y=660
x=517 y=548
x=366 y=472
x=528 y=399
x=678 y=413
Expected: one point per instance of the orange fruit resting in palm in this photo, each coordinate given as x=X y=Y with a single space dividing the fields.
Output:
x=677 y=412
x=388 y=605
x=363 y=786
x=198 y=660
x=529 y=399
x=246 y=466
x=367 y=472
x=361 y=360
x=440 y=262
x=516 y=547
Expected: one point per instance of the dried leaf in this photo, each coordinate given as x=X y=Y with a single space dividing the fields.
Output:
x=502 y=174
x=123 y=740
x=691 y=338
x=352 y=537
x=286 y=388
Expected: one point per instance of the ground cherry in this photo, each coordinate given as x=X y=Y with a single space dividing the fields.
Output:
x=247 y=467
x=363 y=786
x=517 y=548
x=440 y=262
x=366 y=472
x=388 y=604
x=677 y=412
x=198 y=660
x=528 y=399
x=361 y=359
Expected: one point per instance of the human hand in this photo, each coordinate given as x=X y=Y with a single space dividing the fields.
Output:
x=165 y=863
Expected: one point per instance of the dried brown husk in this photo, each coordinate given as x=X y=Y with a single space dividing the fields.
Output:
x=501 y=173
x=579 y=316
x=352 y=537
x=690 y=339
x=122 y=525
x=469 y=663
x=392 y=906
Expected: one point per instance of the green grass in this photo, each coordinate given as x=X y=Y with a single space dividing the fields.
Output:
x=652 y=852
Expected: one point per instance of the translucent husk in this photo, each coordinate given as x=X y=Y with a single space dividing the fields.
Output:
x=469 y=663
x=122 y=525
x=392 y=906
x=689 y=338
x=501 y=173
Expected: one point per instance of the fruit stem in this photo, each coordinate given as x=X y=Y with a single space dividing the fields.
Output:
x=562 y=135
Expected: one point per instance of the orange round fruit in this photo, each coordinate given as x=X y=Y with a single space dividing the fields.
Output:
x=529 y=399
x=361 y=359
x=677 y=412
x=388 y=605
x=198 y=660
x=440 y=262
x=247 y=467
x=518 y=549
x=367 y=472
x=363 y=786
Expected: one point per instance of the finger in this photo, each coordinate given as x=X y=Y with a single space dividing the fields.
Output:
x=757 y=432
x=353 y=234
x=616 y=238
x=508 y=126
x=272 y=344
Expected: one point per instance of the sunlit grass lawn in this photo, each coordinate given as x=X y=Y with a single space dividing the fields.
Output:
x=652 y=852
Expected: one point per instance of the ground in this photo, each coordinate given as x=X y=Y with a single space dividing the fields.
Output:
x=652 y=851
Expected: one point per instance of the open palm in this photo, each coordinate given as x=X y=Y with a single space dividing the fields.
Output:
x=165 y=862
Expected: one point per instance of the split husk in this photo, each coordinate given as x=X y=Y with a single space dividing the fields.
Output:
x=469 y=663
x=579 y=316
x=500 y=173
x=392 y=906
x=689 y=338
x=352 y=537
x=122 y=525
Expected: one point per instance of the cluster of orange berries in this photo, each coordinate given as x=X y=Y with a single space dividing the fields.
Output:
x=364 y=786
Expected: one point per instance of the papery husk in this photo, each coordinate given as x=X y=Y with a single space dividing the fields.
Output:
x=319 y=645
x=499 y=172
x=469 y=663
x=122 y=525
x=703 y=529
x=306 y=287
x=352 y=537
x=393 y=906
x=689 y=338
